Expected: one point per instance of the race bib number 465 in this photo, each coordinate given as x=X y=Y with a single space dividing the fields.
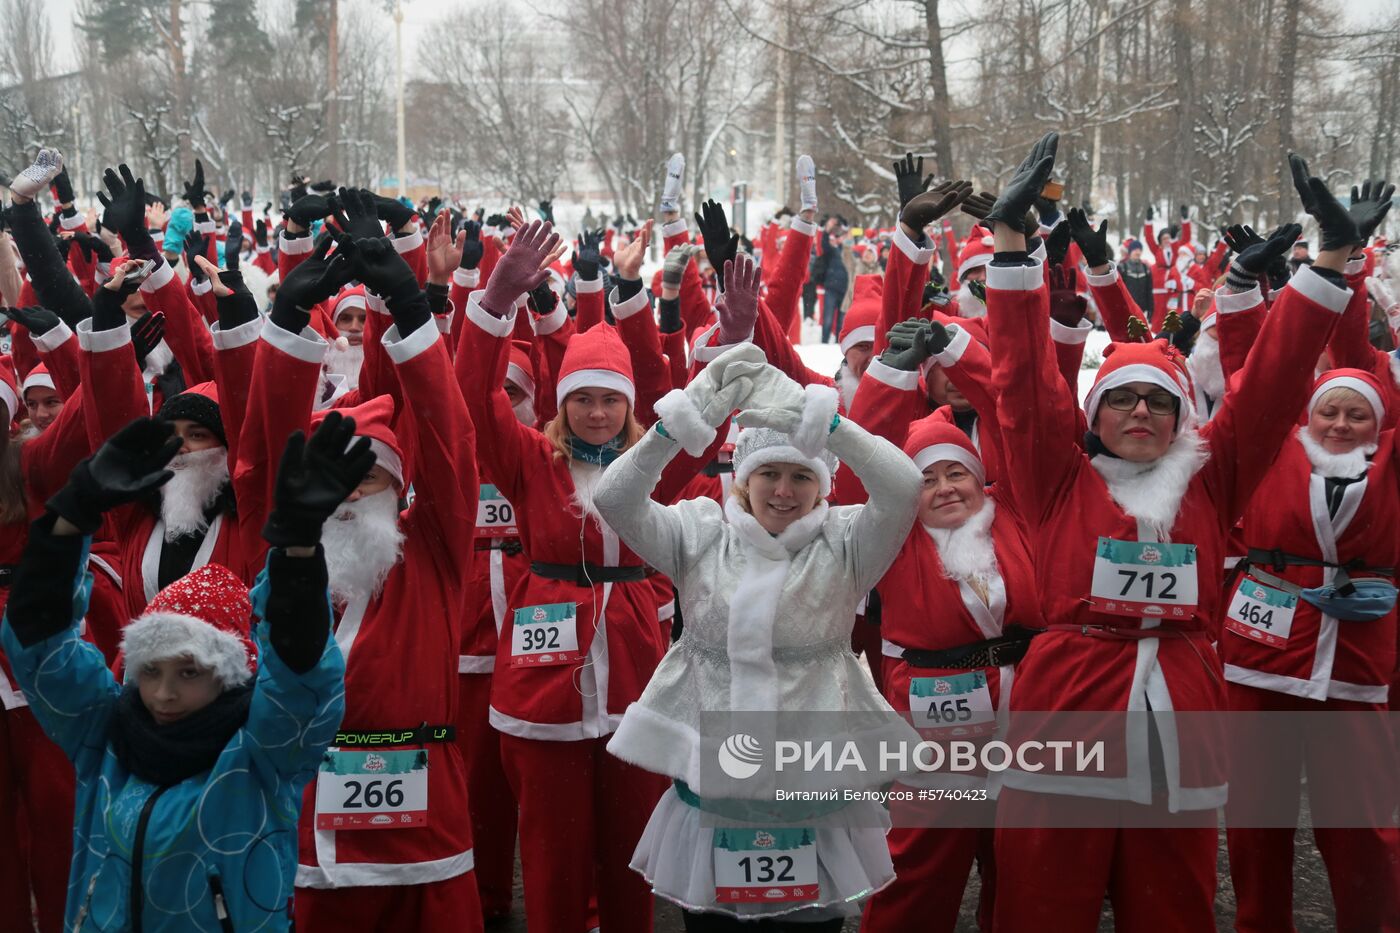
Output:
x=1144 y=578
x=958 y=704
x=372 y=790
x=545 y=635
x=765 y=865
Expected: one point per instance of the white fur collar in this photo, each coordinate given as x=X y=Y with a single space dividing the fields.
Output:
x=1341 y=466
x=1206 y=370
x=586 y=478
x=846 y=383
x=1151 y=492
x=793 y=539
x=968 y=552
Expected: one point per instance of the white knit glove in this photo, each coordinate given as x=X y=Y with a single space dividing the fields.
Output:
x=690 y=415
x=36 y=178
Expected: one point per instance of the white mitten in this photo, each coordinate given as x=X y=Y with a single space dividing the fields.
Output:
x=690 y=415
x=804 y=415
x=36 y=178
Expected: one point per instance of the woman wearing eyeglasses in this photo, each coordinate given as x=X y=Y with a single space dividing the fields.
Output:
x=1129 y=532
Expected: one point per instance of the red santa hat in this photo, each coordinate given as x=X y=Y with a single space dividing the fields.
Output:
x=9 y=394
x=519 y=369
x=204 y=615
x=597 y=359
x=976 y=252
x=352 y=296
x=39 y=376
x=864 y=313
x=932 y=439
x=374 y=420
x=1358 y=380
x=1157 y=363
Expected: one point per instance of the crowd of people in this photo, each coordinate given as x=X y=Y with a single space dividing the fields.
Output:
x=349 y=549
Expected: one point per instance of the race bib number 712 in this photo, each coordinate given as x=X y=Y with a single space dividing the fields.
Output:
x=1144 y=578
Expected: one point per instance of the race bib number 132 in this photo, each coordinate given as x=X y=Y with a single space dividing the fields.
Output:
x=765 y=865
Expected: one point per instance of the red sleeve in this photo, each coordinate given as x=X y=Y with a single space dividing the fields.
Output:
x=1152 y=244
x=413 y=247
x=291 y=252
x=1351 y=341
x=1069 y=352
x=950 y=243
x=773 y=341
x=907 y=268
x=1184 y=240
x=695 y=304
x=673 y=345
x=790 y=274
x=490 y=255
x=464 y=282
x=588 y=312
x=63 y=358
x=202 y=300
x=234 y=358
x=185 y=330
x=23 y=352
x=637 y=327
x=551 y=337
x=1236 y=333
x=1115 y=304
x=46 y=460
x=108 y=367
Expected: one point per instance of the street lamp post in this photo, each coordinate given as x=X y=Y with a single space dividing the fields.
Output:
x=398 y=57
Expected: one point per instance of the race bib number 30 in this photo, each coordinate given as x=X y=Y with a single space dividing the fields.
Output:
x=958 y=704
x=545 y=635
x=1261 y=613
x=1144 y=578
x=495 y=517
x=372 y=790
x=765 y=865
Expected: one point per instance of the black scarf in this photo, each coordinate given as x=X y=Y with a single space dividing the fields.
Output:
x=1094 y=446
x=167 y=755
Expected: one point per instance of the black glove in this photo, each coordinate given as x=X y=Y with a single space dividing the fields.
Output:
x=195 y=192
x=107 y=313
x=383 y=271
x=1046 y=210
x=239 y=308
x=909 y=177
x=547 y=211
x=397 y=214
x=314 y=478
x=1057 y=245
x=305 y=211
x=1092 y=243
x=1339 y=229
x=1256 y=258
x=247 y=200
x=978 y=289
x=260 y=233
x=721 y=246
x=312 y=281
x=1185 y=212
x=936 y=288
x=1066 y=304
x=93 y=246
x=226 y=197
x=588 y=255
x=359 y=217
x=472 y=247
x=1240 y=237
x=1149 y=215
x=926 y=207
x=911 y=342
x=63 y=187
x=195 y=245
x=1026 y=183
x=125 y=210
x=498 y=221
x=38 y=321
x=1369 y=205
x=233 y=246
x=127 y=467
x=147 y=332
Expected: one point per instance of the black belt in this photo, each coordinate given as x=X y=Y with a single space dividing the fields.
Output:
x=7 y=574
x=587 y=574
x=717 y=467
x=1279 y=559
x=421 y=735
x=993 y=652
x=511 y=546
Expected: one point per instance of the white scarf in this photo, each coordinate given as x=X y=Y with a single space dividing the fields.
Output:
x=1151 y=492
x=1339 y=466
x=968 y=551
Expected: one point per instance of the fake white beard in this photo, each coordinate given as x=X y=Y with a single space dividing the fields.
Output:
x=846 y=383
x=967 y=551
x=969 y=305
x=1340 y=466
x=525 y=411
x=346 y=362
x=586 y=478
x=362 y=542
x=1204 y=364
x=158 y=360
x=1151 y=492
x=199 y=478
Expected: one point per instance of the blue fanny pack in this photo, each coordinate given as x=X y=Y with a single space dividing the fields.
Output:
x=1362 y=600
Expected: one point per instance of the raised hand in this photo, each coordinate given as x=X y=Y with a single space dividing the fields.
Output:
x=1018 y=197
x=1057 y=245
x=375 y=262
x=911 y=342
x=444 y=254
x=1339 y=229
x=721 y=245
x=38 y=321
x=1240 y=237
x=910 y=179
x=924 y=208
x=546 y=209
x=588 y=254
x=358 y=214
x=1257 y=256
x=27 y=184
x=671 y=188
x=523 y=266
x=738 y=306
x=131 y=464
x=233 y=245
x=673 y=269
x=63 y=187
x=1066 y=304
x=195 y=191
x=1369 y=205
x=314 y=477
x=627 y=262
x=1092 y=243
x=313 y=280
x=125 y=210
x=391 y=210
x=472 y=247
x=147 y=332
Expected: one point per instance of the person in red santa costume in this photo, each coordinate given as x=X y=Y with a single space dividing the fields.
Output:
x=581 y=639
x=1325 y=515
x=397 y=582
x=959 y=607
x=1143 y=489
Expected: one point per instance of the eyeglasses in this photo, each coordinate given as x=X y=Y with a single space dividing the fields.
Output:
x=1158 y=403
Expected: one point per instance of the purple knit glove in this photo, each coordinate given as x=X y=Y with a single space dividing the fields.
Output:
x=519 y=270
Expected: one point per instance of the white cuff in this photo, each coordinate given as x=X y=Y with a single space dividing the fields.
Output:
x=51 y=341
x=819 y=407
x=444 y=321
x=71 y=223
x=307 y=346
x=1060 y=333
x=702 y=352
x=240 y=336
x=625 y=309
x=803 y=227
x=403 y=349
x=374 y=303
x=409 y=242
x=1039 y=254
x=295 y=246
x=203 y=227
x=495 y=326
x=161 y=276
x=894 y=378
x=547 y=324
x=674 y=228
x=587 y=286
x=466 y=278
x=1015 y=278
x=1315 y=288
x=201 y=288
x=684 y=422
x=919 y=255
x=956 y=347
x=1355 y=266
x=1108 y=278
x=1230 y=302
x=100 y=341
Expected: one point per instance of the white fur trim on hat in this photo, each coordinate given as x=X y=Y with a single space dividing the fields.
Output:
x=160 y=636
x=522 y=379
x=386 y=458
x=858 y=335
x=757 y=446
x=1359 y=386
x=349 y=301
x=973 y=262
x=1137 y=372
x=595 y=379
x=819 y=408
x=936 y=452
x=684 y=422
x=38 y=379
x=10 y=399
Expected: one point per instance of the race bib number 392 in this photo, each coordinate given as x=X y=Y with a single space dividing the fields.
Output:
x=372 y=790
x=545 y=635
x=765 y=865
x=1144 y=578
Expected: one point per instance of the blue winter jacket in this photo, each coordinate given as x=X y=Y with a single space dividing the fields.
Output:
x=220 y=849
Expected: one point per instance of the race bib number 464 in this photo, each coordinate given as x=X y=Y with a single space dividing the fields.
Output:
x=765 y=865
x=545 y=635
x=1261 y=613
x=1144 y=578
x=372 y=790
